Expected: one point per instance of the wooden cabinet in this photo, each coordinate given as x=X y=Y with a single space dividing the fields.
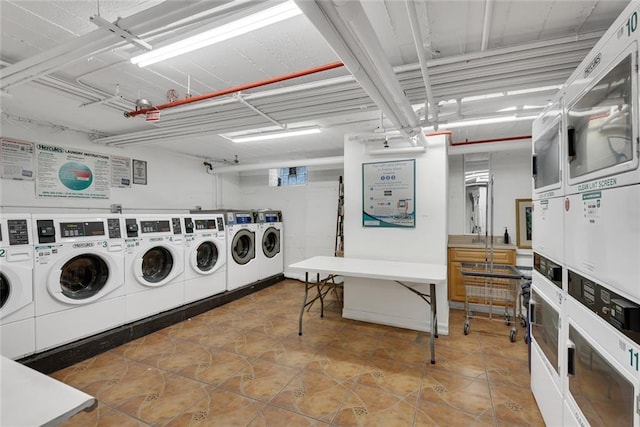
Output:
x=458 y=255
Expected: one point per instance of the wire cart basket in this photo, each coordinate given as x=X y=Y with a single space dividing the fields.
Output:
x=487 y=284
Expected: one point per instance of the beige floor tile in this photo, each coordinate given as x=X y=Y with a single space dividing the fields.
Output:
x=438 y=414
x=461 y=393
x=292 y=351
x=515 y=405
x=392 y=376
x=374 y=406
x=339 y=364
x=272 y=416
x=252 y=344
x=314 y=395
x=243 y=364
x=102 y=416
x=164 y=397
x=404 y=350
x=260 y=380
x=219 y=408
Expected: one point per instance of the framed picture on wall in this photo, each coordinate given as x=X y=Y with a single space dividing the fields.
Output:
x=524 y=223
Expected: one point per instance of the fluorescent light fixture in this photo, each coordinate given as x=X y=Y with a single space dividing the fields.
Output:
x=216 y=35
x=524 y=107
x=274 y=135
x=486 y=121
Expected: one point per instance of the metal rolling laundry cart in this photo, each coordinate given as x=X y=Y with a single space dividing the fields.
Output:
x=486 y=283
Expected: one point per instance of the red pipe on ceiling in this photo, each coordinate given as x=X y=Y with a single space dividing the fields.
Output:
x=236 y=89
x=482 y=141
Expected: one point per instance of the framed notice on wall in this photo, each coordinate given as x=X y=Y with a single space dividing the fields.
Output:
x=139 y=172
x=389 y=194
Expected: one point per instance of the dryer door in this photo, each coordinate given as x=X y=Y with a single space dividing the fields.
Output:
x=243 y=246
x=83 y=277
x=206 y=258
x=157 y=264
x=271 y=242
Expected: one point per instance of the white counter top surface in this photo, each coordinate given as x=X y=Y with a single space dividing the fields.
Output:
x=414 y=272
x=30 y=398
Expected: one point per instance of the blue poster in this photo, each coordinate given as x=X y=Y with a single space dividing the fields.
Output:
x=388 y=194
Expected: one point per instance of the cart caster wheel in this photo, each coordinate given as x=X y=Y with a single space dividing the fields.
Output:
x=512 y=335
x=507 y=320
x=527 y=339
x=523 y=322
x=466 y=329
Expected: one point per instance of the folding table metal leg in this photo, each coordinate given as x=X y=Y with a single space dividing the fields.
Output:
x=304 y=302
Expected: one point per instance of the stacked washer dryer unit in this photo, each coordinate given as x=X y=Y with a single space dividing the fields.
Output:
x=601 y=342
x=269 y=257
x=154 y=264
x=548 y=290
x=242 y=231
x=17 y=325
x=78 y=276
x=205 y=259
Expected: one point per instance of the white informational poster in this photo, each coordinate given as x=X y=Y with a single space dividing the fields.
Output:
x=388 y=194
x=71 y=172
x=139 y=172
x=120 y=172
x=16 y=158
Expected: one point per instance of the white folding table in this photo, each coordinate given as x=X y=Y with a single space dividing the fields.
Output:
x=399 y=272
x=31 y=398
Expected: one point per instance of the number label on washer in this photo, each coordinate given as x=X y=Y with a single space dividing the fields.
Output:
x=3 y=253
x=633 y=359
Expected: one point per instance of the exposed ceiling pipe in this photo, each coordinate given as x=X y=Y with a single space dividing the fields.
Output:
x=484 y=141
x=236 y=89
x=325 y=17
x=98 y=41
x=486 y=25
x=422 y=59
x=238 y=97
x=491 y=145
x=320 y=161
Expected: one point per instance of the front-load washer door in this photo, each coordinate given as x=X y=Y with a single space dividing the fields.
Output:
x=157 y=265
x=5 y=290
x=82 y=279
x=243 y=247
x=207 y=257
x=271 y=242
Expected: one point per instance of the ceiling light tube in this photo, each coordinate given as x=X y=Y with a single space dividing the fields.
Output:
x=399 y=150
x=486 y=121
x=275 y=135
x=216 y=35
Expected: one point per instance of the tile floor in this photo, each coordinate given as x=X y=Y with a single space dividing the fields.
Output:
x=243 y=364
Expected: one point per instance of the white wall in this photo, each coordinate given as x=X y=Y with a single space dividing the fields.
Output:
x=384 y=301
x=309 y=211
x=174 y=182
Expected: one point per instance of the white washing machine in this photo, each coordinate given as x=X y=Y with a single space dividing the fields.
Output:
x=78 y=277
x=242 y=268
x=154 y=264
x=205 y=256
x=17 y=324
x=269 y=256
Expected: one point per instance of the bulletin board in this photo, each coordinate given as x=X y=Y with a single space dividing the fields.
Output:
x=389 y=194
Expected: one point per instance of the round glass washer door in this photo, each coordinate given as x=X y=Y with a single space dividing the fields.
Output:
x=5 y=289
x=157 y=264
x=271 y=242
x=207 y=256
x=83 y=276
x=243 y=246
